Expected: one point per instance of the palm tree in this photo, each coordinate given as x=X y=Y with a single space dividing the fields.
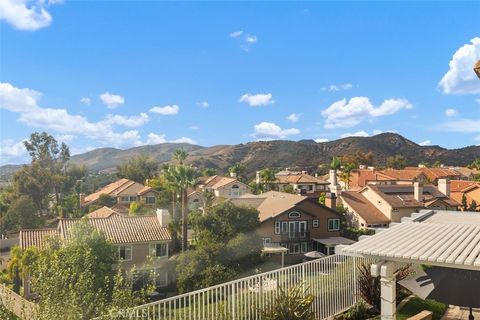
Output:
x=346 y=172
x=180 y=155
x=268 y=176
x=336 y=163
x=239 y=170
x=184 y=177
x=169 y=174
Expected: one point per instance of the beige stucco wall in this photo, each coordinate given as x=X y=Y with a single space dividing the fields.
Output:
x=378 y=202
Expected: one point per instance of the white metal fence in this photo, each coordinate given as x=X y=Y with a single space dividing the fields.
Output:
x=331 y=280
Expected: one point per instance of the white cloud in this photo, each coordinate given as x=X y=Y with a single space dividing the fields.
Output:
x=355 y=134
x=12 y=152
x=321 y=140
x=25 y=103
x=256 y=100
x=451 y=112
x=203 y=104
x=194 y=127
x=462 y=125
x=26 y=15
x=86 y=101
x=236 y=34
x=66 y=138
x=460 y=78
x=127 y=121
x=335 y=87
x=246 y=40
x=184 y=140
x=294 y=117
x=166 y=110
x=111 y=100
x=426 y=143
x=270 y=129
x=154 y=138
x=343 y=114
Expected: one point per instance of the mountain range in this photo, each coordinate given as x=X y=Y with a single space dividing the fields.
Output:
x=304 y=154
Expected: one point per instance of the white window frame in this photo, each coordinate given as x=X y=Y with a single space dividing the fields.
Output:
x=153 y=249
x=294 y=212
x=315 y=223
x=128 y=248
x=333 y=221
x=277 y=227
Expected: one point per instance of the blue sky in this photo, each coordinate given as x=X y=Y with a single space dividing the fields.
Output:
x=123 y=74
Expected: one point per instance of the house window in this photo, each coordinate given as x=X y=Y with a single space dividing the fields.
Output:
x=333 y=224
x=277 y=227
x=294 y=248
x=294 y=215
x=304 y=247
x=315 y=223
x=267 y=241
x=158 y=250
x=150 y=200
x=235 y=191
x=125 y=253
x=284 y=226
x=124 y=199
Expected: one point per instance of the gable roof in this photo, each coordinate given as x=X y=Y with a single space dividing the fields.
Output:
x=119 y=187
x=35 y=237
x=463 y=185
x=404 y=174
x=295 y=177
x=103 y=212
x=364 y=208
x=436 y=173
x=218 y=181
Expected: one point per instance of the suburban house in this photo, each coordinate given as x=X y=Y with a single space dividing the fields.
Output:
x=434 y=174
x=221 y=187
x=124 y=191
x=295 y=222
x=467 y=173
x=141 y=241
x=359 y=178
x=301 y=182
x=378 y=204
x=469 y=189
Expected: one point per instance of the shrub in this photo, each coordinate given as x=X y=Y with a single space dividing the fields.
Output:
x=292 y=304
x=359 y=311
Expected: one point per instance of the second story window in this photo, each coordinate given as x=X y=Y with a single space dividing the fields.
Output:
x=315 y=223
x=333 y=224
x=158 y=250
x=294 y=215
x=125 y=253
x=150 y=200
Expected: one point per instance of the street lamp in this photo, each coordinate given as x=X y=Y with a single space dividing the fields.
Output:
x=476 y=68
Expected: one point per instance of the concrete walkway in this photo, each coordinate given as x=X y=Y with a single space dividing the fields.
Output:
x=454 y=313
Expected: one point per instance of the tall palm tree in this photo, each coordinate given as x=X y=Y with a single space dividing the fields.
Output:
x=169 y=174
x=268 y=177
x=180 y=155
x=184 y=177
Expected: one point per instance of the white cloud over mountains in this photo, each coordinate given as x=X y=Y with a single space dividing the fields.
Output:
x=257 y=100
x=25 y=102
x=271 y=130
x=460 y=78
x=345 y=114
x=26 y=15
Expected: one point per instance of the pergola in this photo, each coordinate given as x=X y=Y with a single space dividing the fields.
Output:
x=275 y=249
x=437 y=238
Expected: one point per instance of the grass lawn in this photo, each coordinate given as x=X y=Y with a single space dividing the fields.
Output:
x=417 y=305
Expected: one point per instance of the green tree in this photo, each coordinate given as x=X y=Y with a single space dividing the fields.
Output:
x=475 y=164
x=336 y=163
x=22 y=214
x=473 y=206
x=104 y=200
x=347 y=171
x=464 y=202
x=437 y=164
x=226 y=247
x=396 y=162
x=267 y=177
x=75 y=279
x=140 y=169
x=289 y=189
x=208 y=172
x=238 y=170
x=180 y=155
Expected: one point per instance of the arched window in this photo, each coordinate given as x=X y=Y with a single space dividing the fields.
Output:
x=294 y=215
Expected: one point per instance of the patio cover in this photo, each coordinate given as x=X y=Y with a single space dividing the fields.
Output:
x=274 y=249
x=443 y=238
x=333 y=241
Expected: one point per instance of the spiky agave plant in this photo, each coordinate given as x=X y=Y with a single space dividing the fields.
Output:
x=291 y=304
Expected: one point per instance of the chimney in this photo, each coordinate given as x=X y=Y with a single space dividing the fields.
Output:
x=331 y=200
x=233 y=174
x=164 y=217
x=444 y=186
x=257 y=177
x=418 y=191
x=82 y=199
x=333 y=177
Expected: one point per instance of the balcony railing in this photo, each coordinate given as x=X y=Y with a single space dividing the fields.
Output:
x=295 y=236
x=331 y=280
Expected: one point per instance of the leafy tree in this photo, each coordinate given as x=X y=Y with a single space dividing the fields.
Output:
x=227 y=246
x=396 y=162
x=256 y=188
x=104 y=200
x=464 y=202
x=289 y=189
x=208 y=172
x=180 y=155
x=473 y=206
x=336 y=163
x=139 y=169
x=75 y=279
x=475 y=164
x=35 y=182
x=347 y=171
x=239 y=170
x=22 y=214
x=321 y=198
x=437 y=164
x=267 y=177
